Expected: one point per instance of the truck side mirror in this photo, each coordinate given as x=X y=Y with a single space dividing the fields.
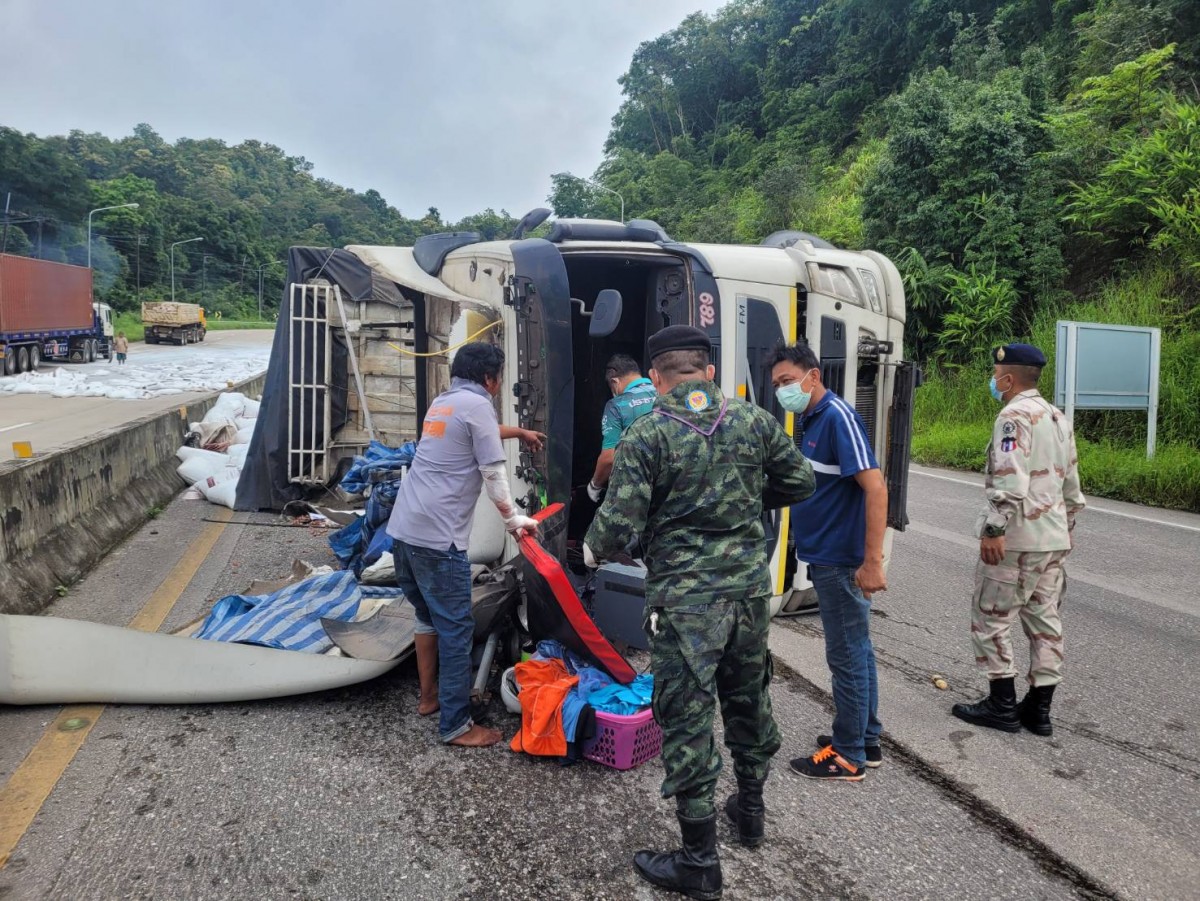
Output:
x=606 y=314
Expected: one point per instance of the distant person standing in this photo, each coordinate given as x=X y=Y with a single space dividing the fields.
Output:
x=1033 y=497
x=633 y=396
x=694 y=477
x=839 y=533
x=121 y=347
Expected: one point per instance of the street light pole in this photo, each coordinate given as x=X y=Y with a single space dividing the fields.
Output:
x=596 y=184
x=260 y=283
x=173 y=246
x=119 y=206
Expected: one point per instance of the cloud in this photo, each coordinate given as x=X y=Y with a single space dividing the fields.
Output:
x=459 y=104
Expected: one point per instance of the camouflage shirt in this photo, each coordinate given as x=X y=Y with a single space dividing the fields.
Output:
x=1032 y=474
x=690 y=479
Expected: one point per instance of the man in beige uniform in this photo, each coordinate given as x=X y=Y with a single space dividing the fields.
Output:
x=1033 y=496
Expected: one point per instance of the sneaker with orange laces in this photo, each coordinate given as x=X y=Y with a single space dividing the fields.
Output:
x=829 y=765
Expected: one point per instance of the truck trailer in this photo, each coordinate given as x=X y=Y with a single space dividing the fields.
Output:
x=47 y=313
x=178 y=323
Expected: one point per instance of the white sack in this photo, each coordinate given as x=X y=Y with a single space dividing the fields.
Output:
x=199 y=453
x=381 y=572
x=227 y=406
x=226 y=475
x=198 y=469
x=237 y=453
x=224 y=494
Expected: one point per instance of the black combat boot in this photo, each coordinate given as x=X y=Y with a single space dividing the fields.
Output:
x=695 y=870
x=1034 y=710
x=746 y=809
x=997 y=711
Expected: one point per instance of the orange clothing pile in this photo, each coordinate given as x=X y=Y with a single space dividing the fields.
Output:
x=544 y=684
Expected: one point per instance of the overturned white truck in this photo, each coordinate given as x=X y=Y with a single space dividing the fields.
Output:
x=357 y=320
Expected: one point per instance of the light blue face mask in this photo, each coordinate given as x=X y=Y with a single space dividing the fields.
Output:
x=996 y=393
x=793 y=397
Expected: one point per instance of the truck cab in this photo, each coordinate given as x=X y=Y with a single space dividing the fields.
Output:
x=563 y=304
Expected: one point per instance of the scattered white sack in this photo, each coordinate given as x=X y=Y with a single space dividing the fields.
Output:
x=224 y=494
x=237 y=453
x=226 y=475
x=190 y=453
x=381 y=572
x=227 y=406
x=244 y=435
x=196 y=470
x=250 y=408
x=192 y=495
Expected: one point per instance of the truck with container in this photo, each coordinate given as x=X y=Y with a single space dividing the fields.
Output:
x=177 y=323
x=47 y=313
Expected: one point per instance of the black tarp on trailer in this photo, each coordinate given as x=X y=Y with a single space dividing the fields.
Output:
x=264 y=483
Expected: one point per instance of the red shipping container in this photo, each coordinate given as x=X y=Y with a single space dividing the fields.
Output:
x=40 y=296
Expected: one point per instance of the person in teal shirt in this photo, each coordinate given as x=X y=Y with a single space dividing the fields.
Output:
x=633 y=396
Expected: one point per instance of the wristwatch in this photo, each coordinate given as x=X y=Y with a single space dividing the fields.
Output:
x=991 y=531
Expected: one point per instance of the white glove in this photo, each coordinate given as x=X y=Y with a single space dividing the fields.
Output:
x=595 y=492
x=518 y=525
x=589 y=558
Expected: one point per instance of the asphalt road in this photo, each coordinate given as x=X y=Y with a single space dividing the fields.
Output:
x=347 y=794
x=51 y=422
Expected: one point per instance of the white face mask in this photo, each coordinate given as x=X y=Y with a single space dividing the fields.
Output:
x=793 y=397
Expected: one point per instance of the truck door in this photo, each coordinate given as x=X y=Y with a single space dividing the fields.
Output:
x=762 y=316
x=544 y=390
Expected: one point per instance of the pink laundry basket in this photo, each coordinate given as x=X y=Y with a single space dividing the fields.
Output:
x=623 y=742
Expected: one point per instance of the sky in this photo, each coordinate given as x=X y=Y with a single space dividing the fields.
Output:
x=454 y=104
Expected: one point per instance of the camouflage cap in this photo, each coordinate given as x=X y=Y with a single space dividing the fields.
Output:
x=1018 y=355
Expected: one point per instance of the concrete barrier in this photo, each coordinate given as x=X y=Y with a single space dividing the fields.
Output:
x=61 y=513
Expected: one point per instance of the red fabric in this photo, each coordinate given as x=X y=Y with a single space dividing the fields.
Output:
x=551 y=570
x=544 y=685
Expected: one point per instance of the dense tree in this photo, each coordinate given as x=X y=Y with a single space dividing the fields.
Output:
x=1005 y=152
x=249 y=203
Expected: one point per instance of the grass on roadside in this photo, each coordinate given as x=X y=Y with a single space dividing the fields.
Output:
x=954 y=413
x=1121 y=472
x=131 y=324
x=227 y=325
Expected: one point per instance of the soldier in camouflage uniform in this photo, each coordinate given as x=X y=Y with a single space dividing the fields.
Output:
x=692 y=479
x=1033 y=496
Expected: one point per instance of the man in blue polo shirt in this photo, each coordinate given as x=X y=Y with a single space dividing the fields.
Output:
x=633 y=396
x=839 y=534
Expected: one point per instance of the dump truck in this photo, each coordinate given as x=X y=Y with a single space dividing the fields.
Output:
x=47 y=313
x=179 y=323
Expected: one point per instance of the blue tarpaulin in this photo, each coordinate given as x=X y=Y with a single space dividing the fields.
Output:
x=289 y=619
x=361 y=543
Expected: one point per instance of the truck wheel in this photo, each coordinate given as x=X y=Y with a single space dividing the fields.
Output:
x=89 y=351
x=35 y=358
x=23 y=359
x=10 y=361
x=108 y=351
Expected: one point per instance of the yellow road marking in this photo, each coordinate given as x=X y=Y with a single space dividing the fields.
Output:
x=159 y=607
x=30 y=785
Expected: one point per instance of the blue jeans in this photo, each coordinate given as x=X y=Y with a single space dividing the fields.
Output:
x=438 y=585
x=846 y=618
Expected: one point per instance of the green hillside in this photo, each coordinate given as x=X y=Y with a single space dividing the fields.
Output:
x=1022 y=162
x=249 y=202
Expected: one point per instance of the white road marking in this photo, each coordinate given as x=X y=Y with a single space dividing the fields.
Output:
x=9 y=428
x=1091 y=508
